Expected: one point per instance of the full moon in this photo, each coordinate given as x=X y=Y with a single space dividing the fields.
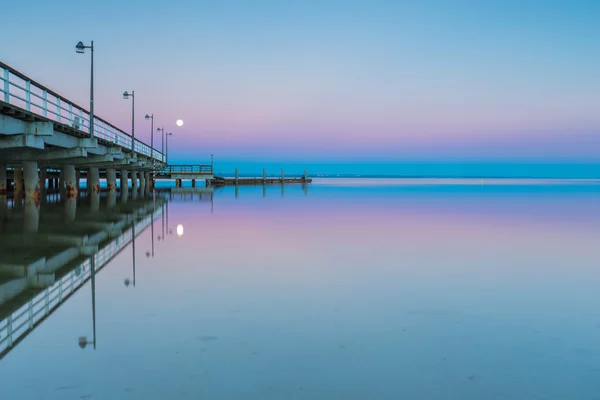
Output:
x=180 y=230
x=179 y=122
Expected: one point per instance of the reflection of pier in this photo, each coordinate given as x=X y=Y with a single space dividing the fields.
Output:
x=41 y=268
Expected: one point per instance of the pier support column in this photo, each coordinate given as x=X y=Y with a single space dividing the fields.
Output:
x=3 y=179
x=31 y=180
x=264 y=175
x=236 y=176
x=134 y=184
x=31 y=215
x=69 y=186
x=111 y=187
x=93 y=185
x=193 y=183
x=124 y=185
x=142 y=183
x=282 y=175
x=149 y=184
x=18 y=181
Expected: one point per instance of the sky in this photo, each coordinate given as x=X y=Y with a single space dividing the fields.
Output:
x=380 y=87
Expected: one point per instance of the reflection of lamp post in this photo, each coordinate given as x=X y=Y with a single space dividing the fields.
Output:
x=83 y=341
x=127 y=281
x=126 y=96
x=152 y=223
x=80 y=48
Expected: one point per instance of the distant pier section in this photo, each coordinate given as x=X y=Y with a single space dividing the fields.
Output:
x=264 y=180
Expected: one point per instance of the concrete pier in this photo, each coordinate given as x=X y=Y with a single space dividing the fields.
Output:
x=111 y=188
x=148 y=181
x=43 y=175
x=31 y=180
x=69 y=185
x=18 y=181
x=124 y=185
x=93 y=185
x=134 y=184
x=142 y=184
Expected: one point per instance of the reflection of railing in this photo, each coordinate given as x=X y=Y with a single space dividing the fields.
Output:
x=23 y=92
x=186 y=169
x=22 y=321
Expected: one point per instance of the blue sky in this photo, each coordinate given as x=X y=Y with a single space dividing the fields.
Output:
x=377 y=84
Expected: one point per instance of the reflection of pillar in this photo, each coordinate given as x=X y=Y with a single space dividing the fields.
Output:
x=3 y=179
x=70 y=186
x=142 y=183
x=264 y=190
x=3 y=205
x=282 y=189
x=124 y=186
x=43 y=175
x=264 y=174
x=111 y=187
x=31 y=181
x=237 y=191
x=305 y=188
x=18 y=181
x=93 y=185
x=148 y=182
x=134 y=184
x=31 y=221
x=70 y=207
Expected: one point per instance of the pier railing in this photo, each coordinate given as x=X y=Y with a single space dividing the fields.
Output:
x=21 y=322
x=23 y=92
x=186 y=169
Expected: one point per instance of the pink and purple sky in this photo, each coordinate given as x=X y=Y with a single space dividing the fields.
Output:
x=404 y=87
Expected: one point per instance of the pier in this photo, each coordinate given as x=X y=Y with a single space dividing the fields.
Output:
x=264 y=180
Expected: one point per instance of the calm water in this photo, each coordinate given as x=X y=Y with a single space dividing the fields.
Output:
x=347 y=289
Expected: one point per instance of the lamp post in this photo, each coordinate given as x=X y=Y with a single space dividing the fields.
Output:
x=126 y=96
x=80 y=48
x=167 y=146
x=162 y=149
x=83 y=340
x=212 y=164
x=127 y=281
x=151 y=118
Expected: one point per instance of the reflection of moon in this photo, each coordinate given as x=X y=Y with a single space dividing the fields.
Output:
x=179 y=122
x=180 y=230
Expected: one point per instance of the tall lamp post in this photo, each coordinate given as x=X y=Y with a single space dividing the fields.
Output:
x=80 y=48
x=151 y=118
x=167 y=146
x=162 y=149
x=127 y=95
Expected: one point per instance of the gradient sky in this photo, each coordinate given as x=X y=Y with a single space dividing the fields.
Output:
x=482 y=87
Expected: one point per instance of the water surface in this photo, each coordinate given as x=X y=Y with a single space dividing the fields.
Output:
x=345 y=289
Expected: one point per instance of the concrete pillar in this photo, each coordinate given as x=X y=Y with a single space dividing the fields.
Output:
x=149 y=184
x=93 y=185
x=142 y=183
x=236 y=175
x=70 y=207
x=69 y=185
x=264 y=174
x=134 y=184
x=111 y=188
x=3 y=179
x=282 y=174
x=31 y=180
x=18 y=181
x=124 y=186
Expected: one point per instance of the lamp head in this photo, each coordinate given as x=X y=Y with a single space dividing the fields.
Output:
x=125 y=95
x=79 y=47
x=147 y=116
x=83 y=342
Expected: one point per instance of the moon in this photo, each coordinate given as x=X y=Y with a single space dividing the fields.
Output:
x=180 y=230
x=179 y=122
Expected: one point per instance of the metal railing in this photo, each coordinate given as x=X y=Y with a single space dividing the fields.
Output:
x=186 y=169
x=23 y=92
x=22 y=321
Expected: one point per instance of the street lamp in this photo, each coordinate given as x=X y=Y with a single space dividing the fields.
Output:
x=167 y=146
x=151 y=118
x=162 y=149
x=126 y=96
x=80 y=48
